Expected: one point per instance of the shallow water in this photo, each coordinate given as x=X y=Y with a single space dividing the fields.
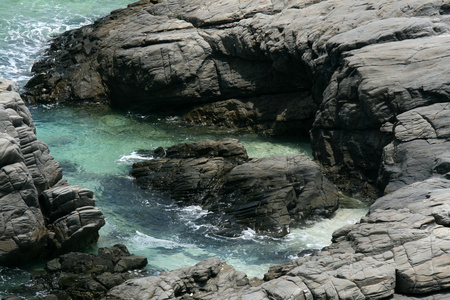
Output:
x=96 y=147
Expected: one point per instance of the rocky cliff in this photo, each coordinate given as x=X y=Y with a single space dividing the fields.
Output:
x=40 y=213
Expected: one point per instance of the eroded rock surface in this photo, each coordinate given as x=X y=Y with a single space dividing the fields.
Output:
x=265 y=194
x=209 y=279
x=346 y=69
x=29 y=179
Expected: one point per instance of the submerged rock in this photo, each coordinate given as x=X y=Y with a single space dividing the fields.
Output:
x=266 y=194
x=40 y=214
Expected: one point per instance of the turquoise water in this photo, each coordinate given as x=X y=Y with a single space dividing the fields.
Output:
x=96 y=147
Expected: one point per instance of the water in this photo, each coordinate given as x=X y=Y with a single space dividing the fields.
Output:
x=96 y=147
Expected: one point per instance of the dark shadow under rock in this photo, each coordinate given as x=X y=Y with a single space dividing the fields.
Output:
x=266 y=194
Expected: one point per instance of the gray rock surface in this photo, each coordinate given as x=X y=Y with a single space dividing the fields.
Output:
x=345 y=69
x=265 y=194
x=421 y=148
x=29 y=179
x=209 y=279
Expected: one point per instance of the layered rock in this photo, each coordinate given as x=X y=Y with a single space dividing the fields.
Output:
x=324 y=56
x=265 y=194
x=30 y=178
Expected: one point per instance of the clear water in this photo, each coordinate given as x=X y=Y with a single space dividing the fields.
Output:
x=97 y=146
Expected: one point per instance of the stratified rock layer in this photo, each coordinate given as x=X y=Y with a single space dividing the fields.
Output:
x=265 y=194
x=30 y=179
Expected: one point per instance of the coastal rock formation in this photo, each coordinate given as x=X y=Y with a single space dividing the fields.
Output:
x=265 y=194
x=89 y=276
x=399 y=251
x=375 y=78
x=40 y=214
x=324 y=64
x=209 y=279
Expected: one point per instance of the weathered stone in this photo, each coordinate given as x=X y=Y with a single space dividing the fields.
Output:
x=335 y=51
x=209 y=279
x=89 y=276
x=29 y=173
x=378 y=76
x=264 y=194
x=421 y=149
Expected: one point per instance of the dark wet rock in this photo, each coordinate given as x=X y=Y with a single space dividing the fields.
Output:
x=265 y=194
x=78 y=275
x=40 y=213
x=259 y=114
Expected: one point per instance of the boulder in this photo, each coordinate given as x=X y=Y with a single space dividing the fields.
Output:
x=78 y=275
x=421 y=148
x=37 y=207
x=209 y=279
x=265 y=194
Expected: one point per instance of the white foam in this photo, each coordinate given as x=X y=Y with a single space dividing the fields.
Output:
x=142 y=241
x=128 y=159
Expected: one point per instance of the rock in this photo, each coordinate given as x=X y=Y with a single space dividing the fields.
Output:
x=209 y=279
x=388 y=252
x=269 y=194
x=191 y=173
x=258 y=114
x=40 y=213
x=322 y=62
x=89 y=276
x=391 y=252
x=378 y=76
x=265 y=194
x=420 y=149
